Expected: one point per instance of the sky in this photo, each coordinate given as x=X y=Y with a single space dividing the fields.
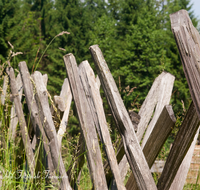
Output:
x=196 y=7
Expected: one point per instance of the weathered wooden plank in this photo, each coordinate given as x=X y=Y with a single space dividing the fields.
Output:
x=86 y=123
x=13 y=117
x=91 y=88
x=49 y=128
x=180 y=147
x=64 y=102
x=158 y=166
x=163 y=98
x=147 y=108
x=156 y=140
x=179 y=180
x=133 y=150
x=188 y=42
x=22 y=122
x=29 y=86
x=5 y=86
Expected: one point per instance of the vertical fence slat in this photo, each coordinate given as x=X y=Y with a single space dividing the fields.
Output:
x=22 y=122
x=133 y=150
x=96 y=106
x=86 y=123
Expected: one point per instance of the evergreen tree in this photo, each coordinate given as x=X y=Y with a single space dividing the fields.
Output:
x=8 y=14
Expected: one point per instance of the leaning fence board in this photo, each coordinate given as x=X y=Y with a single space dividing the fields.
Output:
x=156 y=140
x=64 y=102
x=179 y=180
x=28 y=85
x=13 y=117
x=180 y=147
x=147 y=108
x=49 y=128
x=86 y=123
x=132 y=148
x=22 y=122
x=188 y=42
x=91 y=88
x=163 y=98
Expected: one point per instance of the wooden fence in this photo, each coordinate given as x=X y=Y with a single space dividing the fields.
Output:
x=84 y=88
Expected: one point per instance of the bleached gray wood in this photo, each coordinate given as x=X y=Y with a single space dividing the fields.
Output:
x=158 y=166
x=180 y=147
x=49 y=128
x=156 y=140
x=188 y=42
x=163 y=98
x=45 y=79
x=22 y=122
x=86 y=123
x=98 y=82
x=64 y=102
x=13 y=117
x=179 y=180
x=91 y=88
x=5 y=86
x=132 y=148
x=29 y=86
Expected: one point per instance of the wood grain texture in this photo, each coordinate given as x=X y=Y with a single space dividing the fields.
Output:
x=22 y=122
x=40 y=136
x=156 y=140
x=179 y=180
x=91 y=88
x=188 y=42
x=49 y=128
x=86 y=123
x=180 y=147
x=163 y=98
x=14 y=118
x=132 y=148
x=5 y=86
x=64 y=102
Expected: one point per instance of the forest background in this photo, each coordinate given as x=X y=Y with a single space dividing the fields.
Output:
x=134 y=35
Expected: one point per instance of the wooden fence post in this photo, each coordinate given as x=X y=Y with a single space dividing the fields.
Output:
x=91 y=88
x=22 y=122
x=49 y=128
x=180 y=147
x=86 y=123
x=132 y=148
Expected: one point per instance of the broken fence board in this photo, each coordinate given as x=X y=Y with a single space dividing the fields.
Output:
x=133 y=150
x=91 y=88
x=49 y=128
x=179 y=180
x=163 y=127
x=64 y=102
x=5 y=86
x=180 y=147
x=22 y=122
x=86 y=123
